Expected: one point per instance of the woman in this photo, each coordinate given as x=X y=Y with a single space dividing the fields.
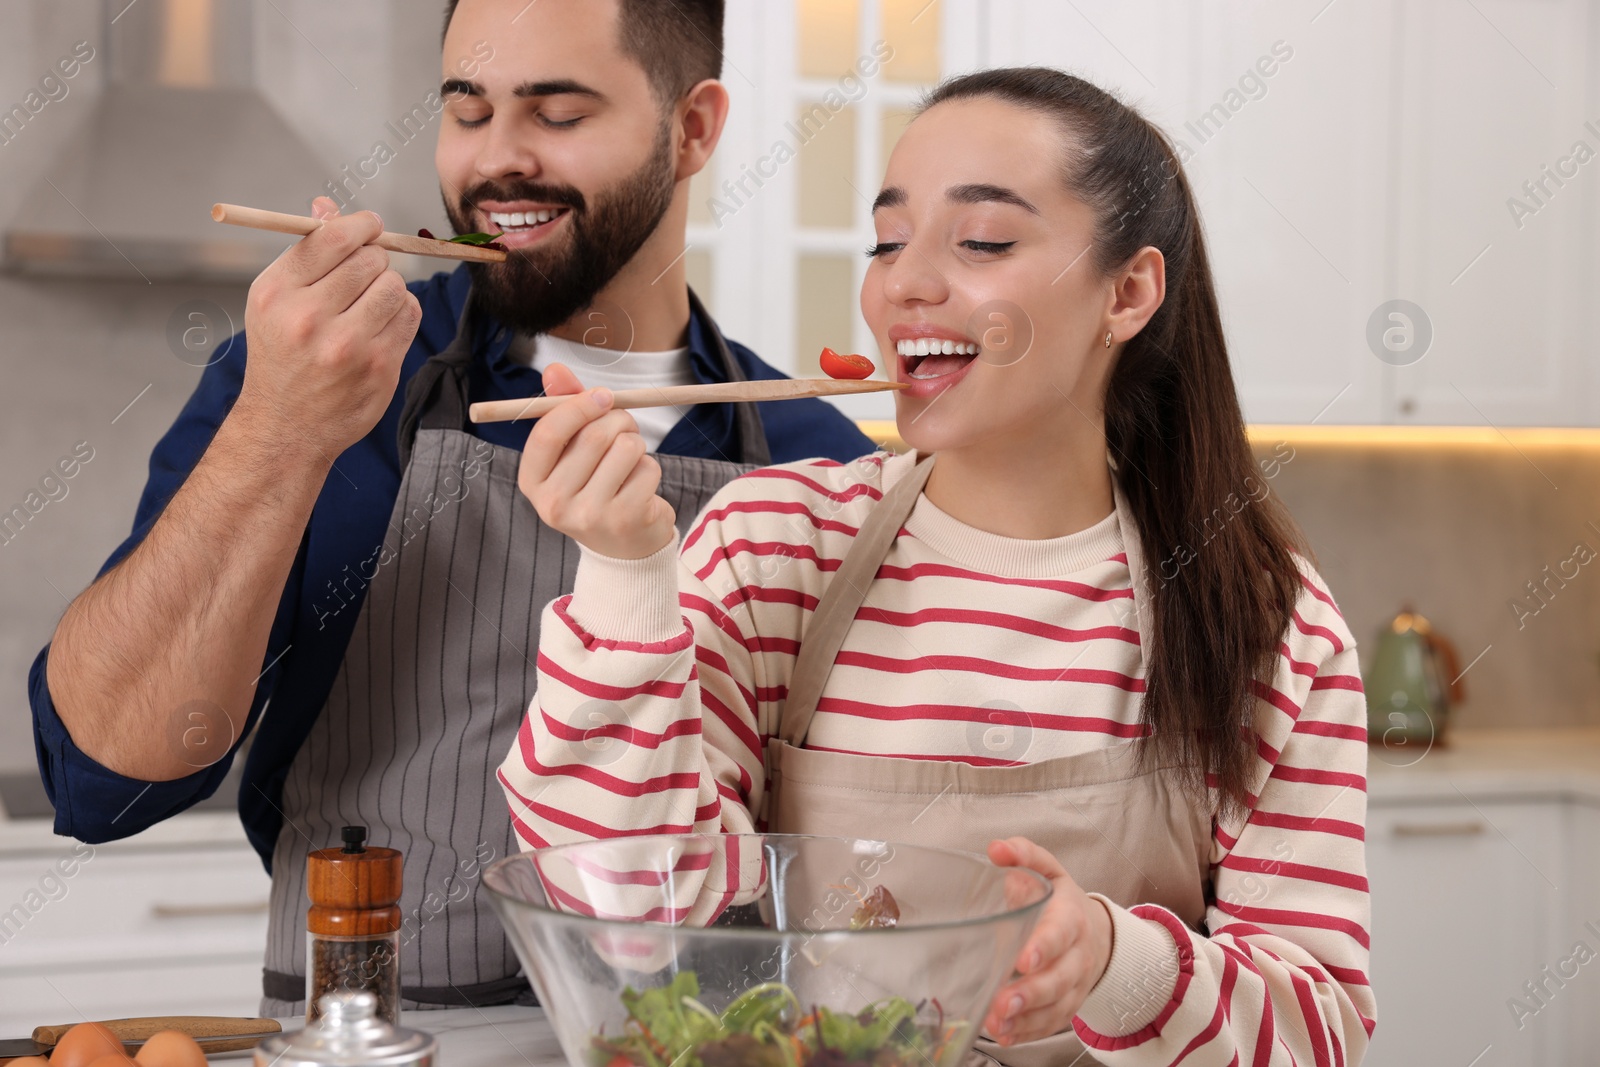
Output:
x=1071 y=626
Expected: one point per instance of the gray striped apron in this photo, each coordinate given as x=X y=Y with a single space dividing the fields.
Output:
x=433 y=687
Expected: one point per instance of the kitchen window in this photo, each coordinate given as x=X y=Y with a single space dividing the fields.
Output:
x=821 y=90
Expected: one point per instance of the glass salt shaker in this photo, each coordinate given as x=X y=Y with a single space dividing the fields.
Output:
x=353 y=925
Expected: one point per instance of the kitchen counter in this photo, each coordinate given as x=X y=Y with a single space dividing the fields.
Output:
x=202 y=830
x=1490 y=765
x=26 y=817
x=473 y=1037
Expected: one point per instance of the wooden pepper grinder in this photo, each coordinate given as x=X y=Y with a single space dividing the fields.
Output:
x=353 y=925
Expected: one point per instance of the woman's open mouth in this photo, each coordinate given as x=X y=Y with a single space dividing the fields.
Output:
x=928 y=358
x=933 y=365
x=518 y=229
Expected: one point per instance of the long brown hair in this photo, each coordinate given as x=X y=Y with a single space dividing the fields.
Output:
x=1229 y=578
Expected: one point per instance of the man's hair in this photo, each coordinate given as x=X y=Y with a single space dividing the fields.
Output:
x=677 y=42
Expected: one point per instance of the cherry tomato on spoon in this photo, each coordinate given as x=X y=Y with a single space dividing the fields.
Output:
x=855 y=367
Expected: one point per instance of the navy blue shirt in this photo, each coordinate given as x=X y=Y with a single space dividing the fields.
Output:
x=348 y=523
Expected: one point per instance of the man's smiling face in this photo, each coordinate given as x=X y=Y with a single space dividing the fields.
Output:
x=556 y=143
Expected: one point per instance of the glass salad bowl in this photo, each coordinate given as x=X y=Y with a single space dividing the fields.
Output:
x=763 y=950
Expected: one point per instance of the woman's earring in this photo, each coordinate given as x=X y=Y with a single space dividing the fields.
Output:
x=1108 y=338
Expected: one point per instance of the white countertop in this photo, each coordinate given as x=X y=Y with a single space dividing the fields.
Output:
x=195 y=829
x=1490 y=764
x=479 y=1037
x=473 y=1037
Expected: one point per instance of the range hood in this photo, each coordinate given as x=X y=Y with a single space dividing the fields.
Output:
x=178 y=127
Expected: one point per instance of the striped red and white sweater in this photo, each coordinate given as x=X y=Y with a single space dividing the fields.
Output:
x=678 y=665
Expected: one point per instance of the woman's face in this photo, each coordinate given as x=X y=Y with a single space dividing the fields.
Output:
x=981 y=246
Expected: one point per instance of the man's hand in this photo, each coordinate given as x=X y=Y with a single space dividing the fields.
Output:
x=589 y=474
x=328 y=325
x=1065 y=955
x=185 y=618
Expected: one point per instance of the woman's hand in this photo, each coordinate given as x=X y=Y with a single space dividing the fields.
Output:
x=589 y=474
x=1063 y=959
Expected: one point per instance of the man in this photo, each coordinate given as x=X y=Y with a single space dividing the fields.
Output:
x=324 y=529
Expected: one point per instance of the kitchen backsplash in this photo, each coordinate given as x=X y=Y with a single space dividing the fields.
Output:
x=1497 y=543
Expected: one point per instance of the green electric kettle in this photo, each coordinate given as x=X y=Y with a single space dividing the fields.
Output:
x=1413 y=680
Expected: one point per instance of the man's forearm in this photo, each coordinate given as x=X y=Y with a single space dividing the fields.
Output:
x=154 y=666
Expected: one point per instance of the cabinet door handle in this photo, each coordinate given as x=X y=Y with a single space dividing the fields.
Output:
x=1466 y=828
x=206 y=911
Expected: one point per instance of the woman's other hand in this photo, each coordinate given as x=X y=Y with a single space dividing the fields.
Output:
x=1063 y=958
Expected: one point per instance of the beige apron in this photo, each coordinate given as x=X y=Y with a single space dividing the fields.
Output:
x=1118 y=827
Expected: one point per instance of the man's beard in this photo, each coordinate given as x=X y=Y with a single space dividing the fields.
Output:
x=537 y=289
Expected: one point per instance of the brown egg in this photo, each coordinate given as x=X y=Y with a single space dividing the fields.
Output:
x=171 y=1048
x=28 y=1061
x=116 y=1059
x=84 y=1044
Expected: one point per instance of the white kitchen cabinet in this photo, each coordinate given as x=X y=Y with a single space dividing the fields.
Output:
x=137 y=929
x=778 y=223
x=1492 y=92
x=1282 y=126
x=1466 y=908
x=1291 y=186
x=1579 y=1012
x=1377 y=164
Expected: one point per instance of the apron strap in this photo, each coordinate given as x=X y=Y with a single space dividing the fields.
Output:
x=843 y=598
x=436 y=396
x=437 y=393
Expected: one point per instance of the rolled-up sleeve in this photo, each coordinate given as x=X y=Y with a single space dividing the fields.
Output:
x=93 y=803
